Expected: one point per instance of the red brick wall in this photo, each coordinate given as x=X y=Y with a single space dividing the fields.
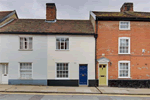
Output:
x=107 y=43
x=50 y=13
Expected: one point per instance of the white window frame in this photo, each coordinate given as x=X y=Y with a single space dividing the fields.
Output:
x=20 y=69
x=124 y=28
x=119 y=44
x=27 y=42
x=60 y=43
x=123 y=61
x=56 y=71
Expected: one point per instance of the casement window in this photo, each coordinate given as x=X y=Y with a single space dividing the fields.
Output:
x=62 y=43
x=124 y=25
x=124 y=45
x=25 y=43
x=25 y=70
x=124 y=69
x=62 y=70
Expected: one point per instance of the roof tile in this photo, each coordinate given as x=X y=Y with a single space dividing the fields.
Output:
x=39 y=25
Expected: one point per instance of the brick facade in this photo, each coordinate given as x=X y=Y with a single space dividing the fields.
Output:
x=107 y=43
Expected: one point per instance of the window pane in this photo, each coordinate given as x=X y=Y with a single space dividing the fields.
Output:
x=30 y=42
x=63 y=67
x=57 y=68
x=126 y=66
x=57 y=45
x=21 y=43
x=25 y=39
x=62 y=45
x=67 y=39
x=58 y=39
x=121 y=66
x=62 y=39
x=25 y=45
x=121 y=73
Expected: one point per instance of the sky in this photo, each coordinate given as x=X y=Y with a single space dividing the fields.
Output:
x=68 y=9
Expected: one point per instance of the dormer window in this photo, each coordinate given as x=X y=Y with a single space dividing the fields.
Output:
x=124 y=25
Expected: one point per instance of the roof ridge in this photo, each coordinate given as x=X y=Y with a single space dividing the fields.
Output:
x=57 y=19
x=129 y=14
x=7 y=11
x=141 y=12
x=108 y=11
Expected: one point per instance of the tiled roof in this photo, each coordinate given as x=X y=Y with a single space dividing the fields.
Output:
x=4 y=13
x=129 y=14
x=39 y=25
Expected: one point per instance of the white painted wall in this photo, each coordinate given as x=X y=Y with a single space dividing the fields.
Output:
x=44 y=55
x=9 y=52
x=81 y=51
x=0 y=73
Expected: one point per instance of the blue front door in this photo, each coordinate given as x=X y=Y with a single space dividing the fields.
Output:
x=83 y=75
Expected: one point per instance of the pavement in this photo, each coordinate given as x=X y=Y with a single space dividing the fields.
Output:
x=74 y=90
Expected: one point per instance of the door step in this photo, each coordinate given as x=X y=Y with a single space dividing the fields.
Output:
x=83 y=85
x=103 y=85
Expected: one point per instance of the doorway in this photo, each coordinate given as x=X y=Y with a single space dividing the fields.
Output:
x=102 y=74
x=4 y=73
x=83 y=75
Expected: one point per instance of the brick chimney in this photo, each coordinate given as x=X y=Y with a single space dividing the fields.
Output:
x=126 y=7
x=50 y=12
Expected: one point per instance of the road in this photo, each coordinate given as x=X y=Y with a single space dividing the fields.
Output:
x=9 y=96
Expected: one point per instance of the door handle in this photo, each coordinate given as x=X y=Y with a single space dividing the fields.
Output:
x=102 y=75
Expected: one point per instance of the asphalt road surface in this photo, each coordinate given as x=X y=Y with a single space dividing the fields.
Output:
x=69 y=97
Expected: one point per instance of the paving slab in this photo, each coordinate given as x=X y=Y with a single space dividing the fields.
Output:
x=63 y=89
x=19 y=88
x=5 y=87
x=115 y=90
x=52 y=89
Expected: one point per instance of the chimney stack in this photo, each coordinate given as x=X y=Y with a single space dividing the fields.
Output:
x=50 y=12
x=126 y=7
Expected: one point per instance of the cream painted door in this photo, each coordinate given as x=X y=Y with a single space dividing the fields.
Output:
x=102 y=74
x=4 y=73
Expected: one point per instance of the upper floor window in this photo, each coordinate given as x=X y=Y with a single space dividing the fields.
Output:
x=124 y=69
x=25 y=43
x=124 y=45
x=62 y=43
x=124 y=25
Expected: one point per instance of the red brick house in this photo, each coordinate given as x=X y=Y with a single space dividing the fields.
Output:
x=123 y=47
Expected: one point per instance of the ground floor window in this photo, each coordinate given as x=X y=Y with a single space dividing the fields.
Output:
x=62 y=70
x=26 y=70
x=124 y=69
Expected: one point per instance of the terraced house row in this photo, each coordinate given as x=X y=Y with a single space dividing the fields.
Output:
x=109 y=49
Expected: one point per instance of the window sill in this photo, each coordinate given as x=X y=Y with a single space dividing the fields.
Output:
x=124 y=77
x=123 y=53
x=25 y=79
x=25 y=50
x=61 y=50
x=61 y=78
x=124 y=29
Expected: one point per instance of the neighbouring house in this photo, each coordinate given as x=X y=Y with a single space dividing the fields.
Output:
x=51 y=51
x=123 y=47
x=6 y=17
